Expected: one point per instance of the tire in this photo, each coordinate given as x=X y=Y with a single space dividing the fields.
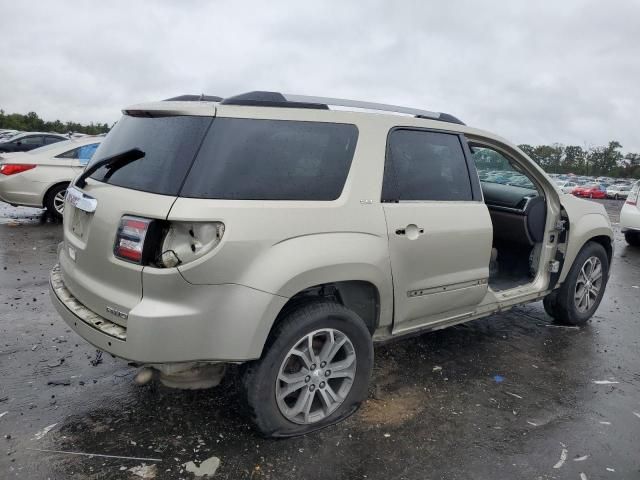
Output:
x=563 y=305
x=632 y=238
x=54 y=200
x=262 y=378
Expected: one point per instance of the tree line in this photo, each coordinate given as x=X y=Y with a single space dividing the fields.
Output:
x=31 y=122
x=606 y=160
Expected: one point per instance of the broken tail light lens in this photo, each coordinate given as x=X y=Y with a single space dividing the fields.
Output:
x=130 y=238
x=185 y=242
x=13 y=168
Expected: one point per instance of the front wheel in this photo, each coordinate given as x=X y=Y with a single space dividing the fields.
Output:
x=314 y=371
x=578 y=298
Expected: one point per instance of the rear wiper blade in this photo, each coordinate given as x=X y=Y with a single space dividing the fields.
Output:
x=112 y=163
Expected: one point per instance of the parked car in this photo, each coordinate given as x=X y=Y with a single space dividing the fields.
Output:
x=618 y=191
x=278 y=232
x=566 y=186
x=7 y=134
x=39 y=178
x=630 y=217
x=24 y=142
x=590 y=190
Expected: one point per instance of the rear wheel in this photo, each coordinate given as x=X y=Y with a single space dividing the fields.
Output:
x=578 y=298
x=314 y=371
x=632 y=238
x=54 y=200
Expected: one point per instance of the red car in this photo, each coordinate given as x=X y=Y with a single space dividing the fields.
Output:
x=592 y=190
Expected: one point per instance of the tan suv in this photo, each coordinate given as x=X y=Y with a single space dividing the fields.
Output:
x=291 y=233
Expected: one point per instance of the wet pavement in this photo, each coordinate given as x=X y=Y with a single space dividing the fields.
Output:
x=506 y=397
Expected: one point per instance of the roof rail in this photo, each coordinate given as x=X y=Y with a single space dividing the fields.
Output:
x=194 y=98
x=276 y=99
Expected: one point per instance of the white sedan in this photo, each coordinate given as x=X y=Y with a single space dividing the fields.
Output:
x=39 y=178
x=618 y=191
x=630 y=217
x=566 y=186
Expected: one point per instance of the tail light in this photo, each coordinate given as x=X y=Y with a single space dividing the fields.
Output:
x=13 y=168
x=632 y=199
x=130 y=239
x=165 y=244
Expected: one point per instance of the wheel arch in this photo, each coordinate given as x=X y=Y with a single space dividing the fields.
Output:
x=48 y=190
x=590 y=228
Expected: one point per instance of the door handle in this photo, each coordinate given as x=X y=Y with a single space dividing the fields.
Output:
x=411 y=231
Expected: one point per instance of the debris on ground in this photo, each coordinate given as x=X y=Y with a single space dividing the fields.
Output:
x=605 y=423
x=63 y=383
x=3 y=414
x=97 y=360
x=514 y=395
x=581 y=459
x=53 y=365
x=44 y=431
x=437 y=368
x=208 y=467
x=583 y=476
x=101 y=455
x=563 y=458
x=605 y=382
x=636 y=414
x=610 y=469
x=498 y=378
x=144 y=471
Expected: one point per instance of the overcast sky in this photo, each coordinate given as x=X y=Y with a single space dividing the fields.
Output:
x=534 y=72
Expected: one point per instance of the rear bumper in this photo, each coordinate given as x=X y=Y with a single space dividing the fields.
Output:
x=216 y=323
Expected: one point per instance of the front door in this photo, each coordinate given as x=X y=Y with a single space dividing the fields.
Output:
x=439 y=229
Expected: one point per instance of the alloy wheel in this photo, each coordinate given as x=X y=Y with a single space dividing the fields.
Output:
x=588 y=284
x=58 y=201
x=316 y=376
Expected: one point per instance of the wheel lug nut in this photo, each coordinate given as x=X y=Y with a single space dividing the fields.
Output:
x=327 y=373
x=322 y=364
x=307 y=379
x=322 y=384
x=312 y=387
x=313 y=366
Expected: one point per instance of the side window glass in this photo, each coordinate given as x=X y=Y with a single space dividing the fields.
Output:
x=70 y=154
x=50 y=140
x=35 y=140
x=86 y=152
x=423 y=165
x=493 y=167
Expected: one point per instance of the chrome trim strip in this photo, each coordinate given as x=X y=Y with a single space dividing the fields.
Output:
x=79 y=310
x=81 y=200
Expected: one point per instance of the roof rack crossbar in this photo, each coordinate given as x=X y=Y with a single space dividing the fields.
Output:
x=340 y=102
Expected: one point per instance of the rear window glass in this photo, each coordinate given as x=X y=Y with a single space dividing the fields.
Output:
x=253 y=159
x=169 y=143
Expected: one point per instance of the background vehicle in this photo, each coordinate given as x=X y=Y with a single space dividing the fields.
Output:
x=630 y=217
x=618 y=191
x=566 y=186
x=590 y=190
x=24 y=142
x=277 y=232
x=39 y=178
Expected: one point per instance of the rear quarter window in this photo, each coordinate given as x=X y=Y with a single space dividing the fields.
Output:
x=251 y=159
